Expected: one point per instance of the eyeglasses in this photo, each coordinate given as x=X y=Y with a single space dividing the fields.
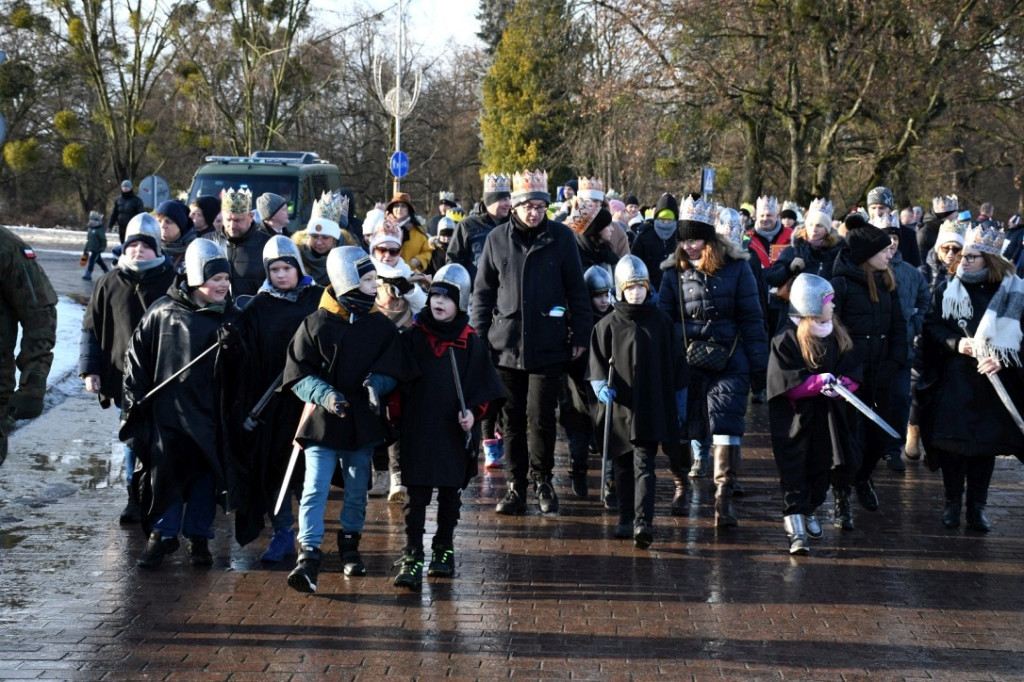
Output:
x=970 y=257
x=534 y=208
x=383 y=250
x=949 y=249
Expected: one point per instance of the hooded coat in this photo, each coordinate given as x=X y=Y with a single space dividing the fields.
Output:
x=119 y=300
x=177 y=434
x=725 y=308
x=651 y=248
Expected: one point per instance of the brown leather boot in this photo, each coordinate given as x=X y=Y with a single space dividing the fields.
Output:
x=726 y=458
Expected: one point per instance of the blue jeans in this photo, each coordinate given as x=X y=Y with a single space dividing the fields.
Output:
x=320 y=463
x=129 y=464
x=198 y=507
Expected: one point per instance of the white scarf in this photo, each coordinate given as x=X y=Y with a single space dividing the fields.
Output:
x=998 y=332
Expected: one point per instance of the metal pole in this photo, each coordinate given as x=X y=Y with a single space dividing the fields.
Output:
x=607 y=432
x=398 y=87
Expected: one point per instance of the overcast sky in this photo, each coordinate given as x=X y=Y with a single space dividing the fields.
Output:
x=430 y=23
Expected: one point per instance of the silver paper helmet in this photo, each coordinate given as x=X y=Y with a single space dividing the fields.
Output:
x=345 y=266
x=200 y=252
x=278 y=247
x=630 y=270
x=730 y=225
x=146 y=225
x=599 y=280
x=454 y=276
x=807 y=295
x=881 y=195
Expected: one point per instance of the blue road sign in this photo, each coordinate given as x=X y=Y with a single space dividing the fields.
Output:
x=399 y=164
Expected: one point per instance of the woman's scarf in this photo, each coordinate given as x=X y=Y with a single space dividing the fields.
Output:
x=998 y=332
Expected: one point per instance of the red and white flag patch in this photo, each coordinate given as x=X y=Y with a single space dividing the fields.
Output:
x=29 y=253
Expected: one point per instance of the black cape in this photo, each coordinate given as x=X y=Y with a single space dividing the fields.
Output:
x=811 y=434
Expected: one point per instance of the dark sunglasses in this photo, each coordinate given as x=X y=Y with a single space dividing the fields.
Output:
x=950 y=249
x=390 y=252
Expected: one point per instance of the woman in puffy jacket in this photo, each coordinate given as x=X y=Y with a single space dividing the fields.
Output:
x=709 y=290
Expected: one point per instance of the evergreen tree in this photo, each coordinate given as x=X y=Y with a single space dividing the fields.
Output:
x=527 y=101
x=493 y=17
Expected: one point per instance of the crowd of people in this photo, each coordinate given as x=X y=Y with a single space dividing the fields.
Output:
x=255 y=368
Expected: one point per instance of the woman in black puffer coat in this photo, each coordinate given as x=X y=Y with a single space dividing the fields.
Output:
x=867 y=303
x=709 y=280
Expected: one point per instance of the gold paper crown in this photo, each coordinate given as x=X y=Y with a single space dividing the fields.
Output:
x=820 y=206
x=456 y=214
x=698 y=211
x=985 y=238
x=766 y=203
x=495 y=183
x=448 y=197
x=945 y=204
x=590 y=188
x=330 y=207
x=530 y=181
x=236 y=200
x=586 y=211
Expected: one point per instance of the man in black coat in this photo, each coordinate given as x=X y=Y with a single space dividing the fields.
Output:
x=531 y=305
x=243 y=243
x=126 y=207
x=467 y=243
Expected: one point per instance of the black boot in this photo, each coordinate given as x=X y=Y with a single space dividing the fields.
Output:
x=410 y=575
x=843 y=515
x=725 y=458
x=579 y=484
x=866 y=495
x=199 y=551
x=307 y=570
x=156 y=549
x=546 y=498
x=514 y=502
x=442 y=561
x=678 y=507
x=132 y=512
x=348 y=547
x=951 y=514
x=976 y=519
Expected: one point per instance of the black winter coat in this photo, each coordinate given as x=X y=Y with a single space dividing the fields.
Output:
x=817 y=261
x=653 y=251
x=467 y=244
x=595 y=254
x=649 y=367
x=343 y=351
x=126 y=207
x=524 y=275
x=934 y=270
x=245 y=254
x=260 y=456
x=177 y=434
x=878 y=330
x=722 y=308
x=118 y=302
x=433 y=445
x=960 y=410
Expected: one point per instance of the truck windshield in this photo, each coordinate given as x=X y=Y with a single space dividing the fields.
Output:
x=212 y=184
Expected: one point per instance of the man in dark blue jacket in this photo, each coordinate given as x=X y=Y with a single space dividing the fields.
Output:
x=531 y=305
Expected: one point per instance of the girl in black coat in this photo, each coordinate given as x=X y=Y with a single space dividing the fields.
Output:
x=811 y=429
x=649 y=368
x=964 y=424
x=867 y=303
x=438 y=448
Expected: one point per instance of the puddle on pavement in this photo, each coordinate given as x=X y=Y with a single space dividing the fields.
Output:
x=90 y=471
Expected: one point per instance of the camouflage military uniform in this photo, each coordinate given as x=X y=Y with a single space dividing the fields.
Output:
x=26 y=299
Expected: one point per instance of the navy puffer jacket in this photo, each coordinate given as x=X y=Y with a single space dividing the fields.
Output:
x=720 y=307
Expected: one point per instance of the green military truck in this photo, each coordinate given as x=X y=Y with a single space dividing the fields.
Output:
x=299 y=177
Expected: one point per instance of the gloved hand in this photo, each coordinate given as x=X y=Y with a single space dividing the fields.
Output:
x=23 y=406
x=606 y=394
x=228 y=337
x=372 y=396
x=336 y=403
x=401 y=284
x=825 y=380
x=797 y=265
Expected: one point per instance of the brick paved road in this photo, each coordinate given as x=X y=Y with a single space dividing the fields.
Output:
x=535 y=597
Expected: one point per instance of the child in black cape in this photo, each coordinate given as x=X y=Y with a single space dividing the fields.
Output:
x=811 y=426
x=438 y=438
x=649 y=369
x=343 y=360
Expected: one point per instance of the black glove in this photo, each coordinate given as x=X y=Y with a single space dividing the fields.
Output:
x=228 y=337
x=401 y=284
x=372 y=395
x=336 y=403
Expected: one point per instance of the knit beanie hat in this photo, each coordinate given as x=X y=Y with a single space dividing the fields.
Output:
x=176 y=211
x=269 y=203
x=209 y=207
x=865 y=242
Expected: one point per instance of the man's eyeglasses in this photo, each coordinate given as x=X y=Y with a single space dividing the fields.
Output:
x=535 y=208
x=383 y=250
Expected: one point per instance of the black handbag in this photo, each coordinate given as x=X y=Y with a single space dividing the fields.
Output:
x=707 y=355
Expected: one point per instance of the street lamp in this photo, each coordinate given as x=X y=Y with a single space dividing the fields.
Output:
x=397 y=101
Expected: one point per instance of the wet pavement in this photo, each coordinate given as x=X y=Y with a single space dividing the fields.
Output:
x=534 y=596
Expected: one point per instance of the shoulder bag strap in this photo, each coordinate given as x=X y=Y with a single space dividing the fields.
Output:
x=682 y=307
